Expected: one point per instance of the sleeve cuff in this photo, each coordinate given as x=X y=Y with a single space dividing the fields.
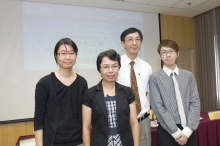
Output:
x=176 y=133
x=186 y=131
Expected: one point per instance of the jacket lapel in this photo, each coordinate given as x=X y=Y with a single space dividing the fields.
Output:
x=101 y=99
x=119 y=96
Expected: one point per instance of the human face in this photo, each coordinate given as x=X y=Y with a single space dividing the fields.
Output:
x=109 y=69
x=132 y=43
x=168 y=56
x=66 y=57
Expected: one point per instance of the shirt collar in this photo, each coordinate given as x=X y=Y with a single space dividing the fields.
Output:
x=128 y=60
x=169 y=71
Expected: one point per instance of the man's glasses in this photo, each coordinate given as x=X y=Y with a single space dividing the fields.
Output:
x=164 y=53
x=107 y=68
x=131 y=40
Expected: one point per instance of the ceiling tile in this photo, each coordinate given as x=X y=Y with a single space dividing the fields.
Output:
x=154 y=6
x=139 y=1
x=164 y=3
x=188 y=4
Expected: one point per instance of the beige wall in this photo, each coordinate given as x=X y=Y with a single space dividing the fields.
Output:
x=179 y=29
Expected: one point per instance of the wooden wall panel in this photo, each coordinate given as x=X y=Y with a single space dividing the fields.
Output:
x=179 y=29
x=9 y=133
x=29 y=127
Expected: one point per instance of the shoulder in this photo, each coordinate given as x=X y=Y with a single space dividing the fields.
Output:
x=81 y=83
x=45 y=82
x=93 y=89
x=122 y=87
x=122 y=59
x=143 y=63
x=158 y=74
x=186 y=76
x=46 y=78
x=81 y=78
x=124 y=90
x=122 y=56
x=184 y=73
x=90 y=94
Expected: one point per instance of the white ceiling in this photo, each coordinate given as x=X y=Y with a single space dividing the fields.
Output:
x=187 y=8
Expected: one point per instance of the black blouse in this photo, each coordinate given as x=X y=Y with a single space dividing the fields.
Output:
x=67 y=99
x=58 y=108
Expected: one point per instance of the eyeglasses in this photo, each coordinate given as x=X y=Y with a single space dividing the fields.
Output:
x=107 y=68
x=164 y=53
x=131 y=40
x=64 y=54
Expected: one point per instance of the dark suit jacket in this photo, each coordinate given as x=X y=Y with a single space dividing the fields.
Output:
x=94 y=98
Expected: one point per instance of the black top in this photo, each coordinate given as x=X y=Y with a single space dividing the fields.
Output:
x=94 y=98
x=67 y=99
x=52 y=116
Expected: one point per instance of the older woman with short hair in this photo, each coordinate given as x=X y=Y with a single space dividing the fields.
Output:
x=109 y=108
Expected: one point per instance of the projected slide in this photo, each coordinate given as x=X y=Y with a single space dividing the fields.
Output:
x=93 y=30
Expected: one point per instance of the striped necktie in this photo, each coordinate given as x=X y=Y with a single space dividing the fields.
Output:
x=134 y=88
x=179 y=101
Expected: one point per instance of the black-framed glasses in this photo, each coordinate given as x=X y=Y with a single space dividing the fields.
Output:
x=171 y=52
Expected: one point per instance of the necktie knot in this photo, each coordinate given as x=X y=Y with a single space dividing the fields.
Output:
x=132 y=63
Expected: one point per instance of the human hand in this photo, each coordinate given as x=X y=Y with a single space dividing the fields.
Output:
x=181 y=139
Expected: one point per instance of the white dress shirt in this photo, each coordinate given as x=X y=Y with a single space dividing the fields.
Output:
x=142 y=72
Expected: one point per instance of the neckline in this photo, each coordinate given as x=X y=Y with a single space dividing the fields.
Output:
x=108 y=94
x=62 y=82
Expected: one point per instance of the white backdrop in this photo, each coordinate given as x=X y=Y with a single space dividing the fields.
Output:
x=30 y=30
